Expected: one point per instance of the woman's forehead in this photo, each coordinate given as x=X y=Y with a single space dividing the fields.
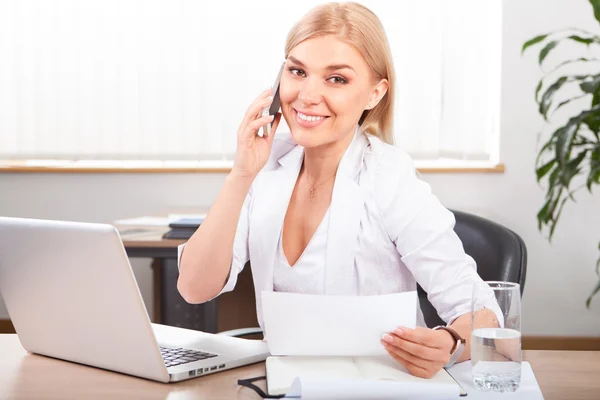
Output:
x=327 y=51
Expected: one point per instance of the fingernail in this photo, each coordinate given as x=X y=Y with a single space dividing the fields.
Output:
x=271 y=116
x=399 y=332
x=387 y=338
x=270 y=98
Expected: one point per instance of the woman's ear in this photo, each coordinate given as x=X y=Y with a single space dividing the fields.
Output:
x=378 y=92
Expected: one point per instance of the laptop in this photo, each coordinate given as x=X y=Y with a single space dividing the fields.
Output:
x=71 y=294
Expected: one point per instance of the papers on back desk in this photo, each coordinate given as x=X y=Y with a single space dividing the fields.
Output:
x=315 y=325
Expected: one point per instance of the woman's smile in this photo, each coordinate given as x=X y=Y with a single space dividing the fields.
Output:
x=308 y=120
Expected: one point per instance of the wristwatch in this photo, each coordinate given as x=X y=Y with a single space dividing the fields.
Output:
x=458 y=348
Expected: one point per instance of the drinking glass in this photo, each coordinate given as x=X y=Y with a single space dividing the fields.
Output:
x=496 y=336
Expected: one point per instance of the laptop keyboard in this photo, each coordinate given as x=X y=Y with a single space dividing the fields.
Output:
x=178 y=356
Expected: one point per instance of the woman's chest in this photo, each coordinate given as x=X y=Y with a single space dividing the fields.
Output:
x=303 y=220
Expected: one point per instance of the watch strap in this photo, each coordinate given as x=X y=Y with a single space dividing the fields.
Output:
x=459 y=344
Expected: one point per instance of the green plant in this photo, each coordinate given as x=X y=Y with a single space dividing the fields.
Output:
x=572 y=150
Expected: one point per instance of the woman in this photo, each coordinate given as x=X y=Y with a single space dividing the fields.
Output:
x=332 y=207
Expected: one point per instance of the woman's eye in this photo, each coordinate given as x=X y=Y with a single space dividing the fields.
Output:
x=297 y=72
x=338 y=79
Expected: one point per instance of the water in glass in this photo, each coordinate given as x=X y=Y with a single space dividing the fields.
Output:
x=496 y=359
x=496 y=336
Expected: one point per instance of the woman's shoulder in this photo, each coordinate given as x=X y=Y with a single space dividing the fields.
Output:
x=388 y=163
x=393 y=179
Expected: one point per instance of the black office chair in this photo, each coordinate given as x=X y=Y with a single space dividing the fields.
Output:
x=500 y=255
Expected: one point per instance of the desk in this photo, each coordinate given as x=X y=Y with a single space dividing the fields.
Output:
x=561 y=375
x=169 y=307
x=230 y=311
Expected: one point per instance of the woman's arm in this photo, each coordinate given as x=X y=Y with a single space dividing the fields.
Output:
x=422 y=230
x=206 y=260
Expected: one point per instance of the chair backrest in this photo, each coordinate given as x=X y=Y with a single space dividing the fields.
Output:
x=500 y=255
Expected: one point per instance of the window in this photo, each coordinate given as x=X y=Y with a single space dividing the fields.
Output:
x=171 y=79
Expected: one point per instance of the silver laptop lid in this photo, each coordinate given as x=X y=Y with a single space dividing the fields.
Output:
x=71 y=294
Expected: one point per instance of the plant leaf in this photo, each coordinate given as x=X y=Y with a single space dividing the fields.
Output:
x=583 y=40
x=562 y=103
x=575 y=60
x=554 y=202
x=572 y=168
x=589 y=299
x=537 y=90
x=591 y=117
x=544 y=169
x=596 y=6
x=546 y=99
x=591 y=86
x=565 y=139
x=548 y=146
x=542 y=215
x=593 y=122
x=596 y=99
x=552 y=179
x=598 y=262
x=533 y=41
x=564 y=136
x=555 y=219
x=594 y=174
x=593 y=177
x=546 y=50
x=552 y=44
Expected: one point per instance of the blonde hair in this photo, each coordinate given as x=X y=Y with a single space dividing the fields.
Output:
x=358 y=26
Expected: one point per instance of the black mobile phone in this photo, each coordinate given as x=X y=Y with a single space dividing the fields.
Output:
x=273 y=109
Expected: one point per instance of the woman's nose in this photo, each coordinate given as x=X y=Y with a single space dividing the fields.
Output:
x=309 y=92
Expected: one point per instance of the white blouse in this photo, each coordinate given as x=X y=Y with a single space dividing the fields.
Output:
x=386 y=231
x=308 y=273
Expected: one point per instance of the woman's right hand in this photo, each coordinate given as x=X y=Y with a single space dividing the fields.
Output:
x=252 y=150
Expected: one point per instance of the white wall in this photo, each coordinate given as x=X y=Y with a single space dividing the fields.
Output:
x=560 y=276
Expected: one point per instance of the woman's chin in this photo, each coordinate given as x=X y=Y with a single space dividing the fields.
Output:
x=306 y=138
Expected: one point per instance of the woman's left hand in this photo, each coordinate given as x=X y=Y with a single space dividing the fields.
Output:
x=422 y=351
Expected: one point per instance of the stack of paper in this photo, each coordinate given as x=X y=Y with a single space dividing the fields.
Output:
x=329 y=348
x=354 y=378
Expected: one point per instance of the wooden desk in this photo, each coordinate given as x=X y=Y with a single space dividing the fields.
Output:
x=147 y=241
x=560 y=374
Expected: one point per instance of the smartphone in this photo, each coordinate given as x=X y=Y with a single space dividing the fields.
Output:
x=273 y=109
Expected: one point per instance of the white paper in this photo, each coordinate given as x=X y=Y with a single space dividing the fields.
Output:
x=282 y=372
x=312 y=388
x=157 y=221
x=177 y=217
x=314 y=325
x=144 y=221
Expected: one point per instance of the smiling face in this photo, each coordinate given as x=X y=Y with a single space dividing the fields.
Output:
x=324 y=90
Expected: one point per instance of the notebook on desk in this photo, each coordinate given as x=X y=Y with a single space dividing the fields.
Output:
x=186 y=223
x=378 y=377
x=183 y=228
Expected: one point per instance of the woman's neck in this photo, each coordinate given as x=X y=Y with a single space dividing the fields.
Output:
x=321 y=163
